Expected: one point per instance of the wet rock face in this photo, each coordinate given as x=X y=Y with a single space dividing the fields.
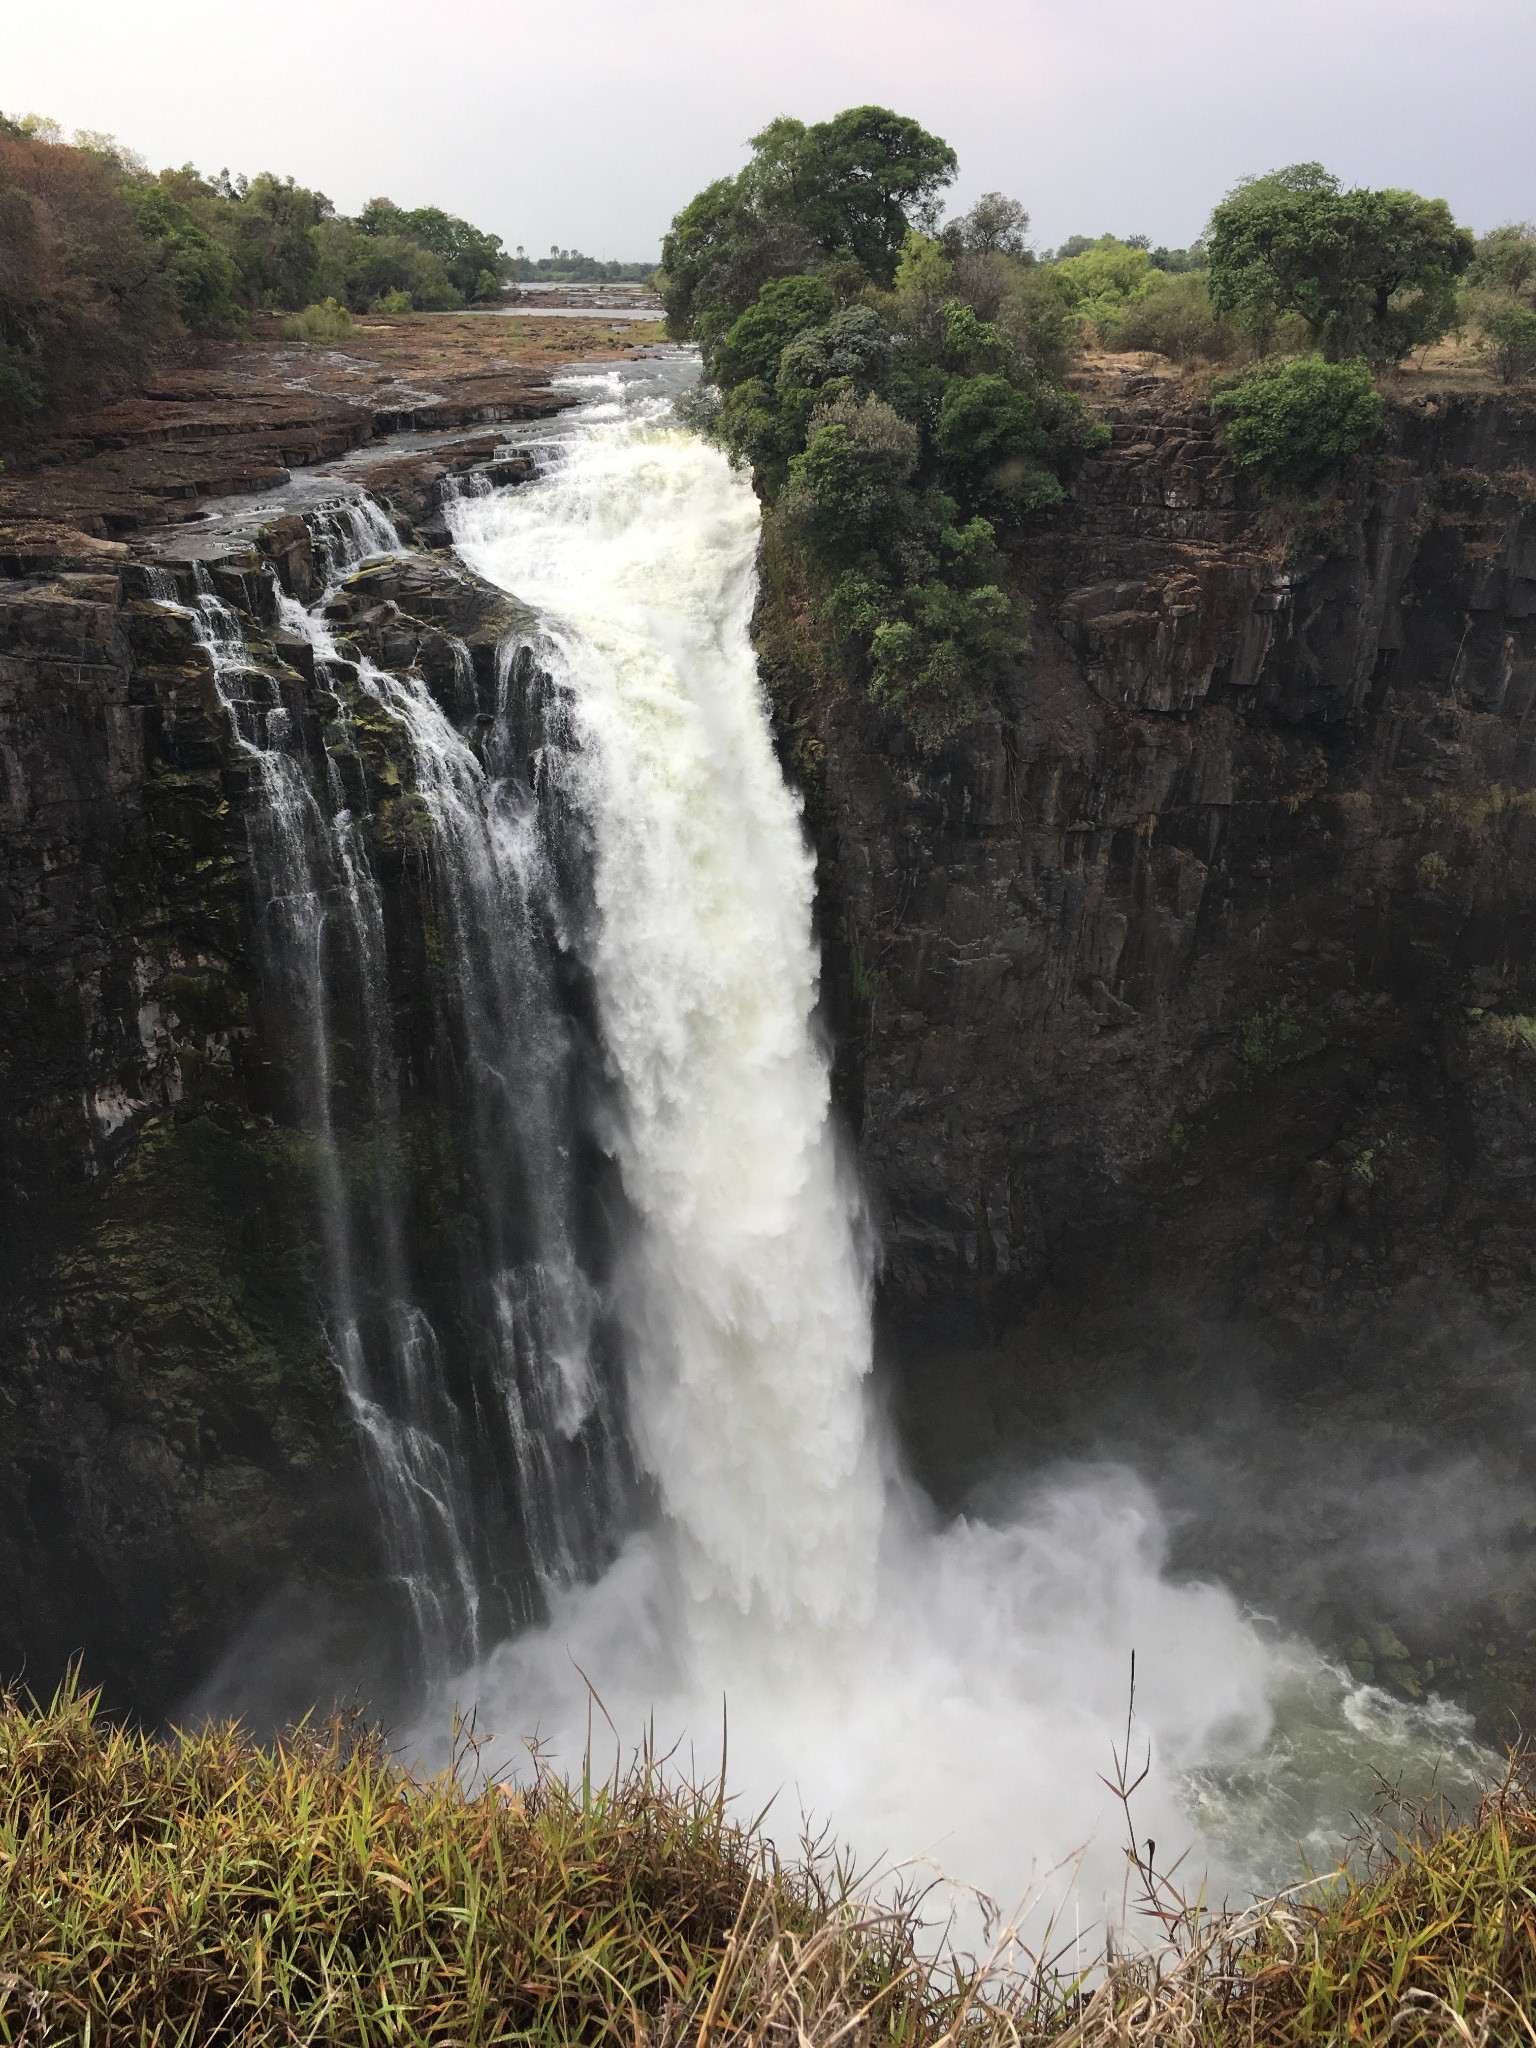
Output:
x=174 y=1450
x=1180 y=1010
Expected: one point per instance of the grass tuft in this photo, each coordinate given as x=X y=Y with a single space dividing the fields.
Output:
x=203 y=1889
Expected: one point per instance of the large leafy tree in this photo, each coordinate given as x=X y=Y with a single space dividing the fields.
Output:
x=893 y=391
x=475 y=262
x=851 y=188
x=1372 y=274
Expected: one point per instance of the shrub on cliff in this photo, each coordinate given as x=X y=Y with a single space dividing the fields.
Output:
x=1292 y=423
x=895 y=391
x=1373 y=274
x=1508 y=340
x=1175 y=319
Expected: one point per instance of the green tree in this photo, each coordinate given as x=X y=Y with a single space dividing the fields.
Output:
x=1099 y=282
x=1372 y=274
x=270 y=226
x=473 y=261
x=995 y=226
x=848 y=188
x=894 y=389
x=195 y=264
x=1294 y=422
x=1505 y=261
x=754 y=342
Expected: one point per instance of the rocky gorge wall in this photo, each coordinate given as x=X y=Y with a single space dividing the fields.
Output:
x=1184 y=1010
x=175 y=1449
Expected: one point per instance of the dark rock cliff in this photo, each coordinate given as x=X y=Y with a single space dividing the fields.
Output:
x=1184 y=1011
x=174 y=1445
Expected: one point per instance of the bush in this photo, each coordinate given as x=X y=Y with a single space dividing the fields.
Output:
x=329 y=321
x=1176 y=320
x=1294 y=422
x=1508 y=341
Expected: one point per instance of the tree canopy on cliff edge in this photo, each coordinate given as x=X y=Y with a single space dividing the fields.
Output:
x=896 y=392
x=1373 y=274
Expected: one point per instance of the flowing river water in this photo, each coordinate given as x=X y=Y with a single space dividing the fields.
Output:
x=720 y=1531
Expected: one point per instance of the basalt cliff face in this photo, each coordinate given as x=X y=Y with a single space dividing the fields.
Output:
x=1182 y=1011
x=175 y=1448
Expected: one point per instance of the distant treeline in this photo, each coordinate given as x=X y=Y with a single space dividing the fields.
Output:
x=102 y=260
x=569 y=266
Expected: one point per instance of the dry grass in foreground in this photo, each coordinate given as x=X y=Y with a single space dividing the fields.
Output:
x=205 y=1890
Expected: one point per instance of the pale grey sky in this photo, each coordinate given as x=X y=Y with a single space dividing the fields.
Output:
x=592 y=123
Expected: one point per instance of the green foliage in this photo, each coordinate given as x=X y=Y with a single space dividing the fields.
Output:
x=754 y=342
x=1505 y=261
x=472 y=262
x=329 y=321
x=1508 y=1032
x=199 y=1889
x=100 y=261
x=1508 y=340
x=995 y=225
x=569 y=266
x=1101 y=281
x=1294 y=422
x=363 y=270
x=198 y=268
x=1432 y=870
x=1175 y=319
x=1373 y=274
x=270 y=230
x=84 y=296
x=895 y=391
x=1269 y=1040
x=843 y=192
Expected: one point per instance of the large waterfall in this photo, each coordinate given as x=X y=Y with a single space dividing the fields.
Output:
x=952 y=1694
x=636 y=1456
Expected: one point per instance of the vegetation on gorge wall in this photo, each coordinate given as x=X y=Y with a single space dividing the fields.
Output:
x=897 y=393
x=898 y=386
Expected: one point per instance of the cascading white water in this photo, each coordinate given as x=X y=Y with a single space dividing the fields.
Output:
x=952 y=1693
x=487 y=1437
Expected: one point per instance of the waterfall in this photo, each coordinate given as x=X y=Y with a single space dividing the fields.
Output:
x=622 y=1436
x=949 y=1693
x=492 y=1448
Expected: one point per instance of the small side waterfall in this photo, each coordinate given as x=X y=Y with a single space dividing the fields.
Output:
x=484 y=1401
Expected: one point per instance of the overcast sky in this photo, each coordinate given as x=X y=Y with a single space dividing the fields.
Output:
x=589 y=122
